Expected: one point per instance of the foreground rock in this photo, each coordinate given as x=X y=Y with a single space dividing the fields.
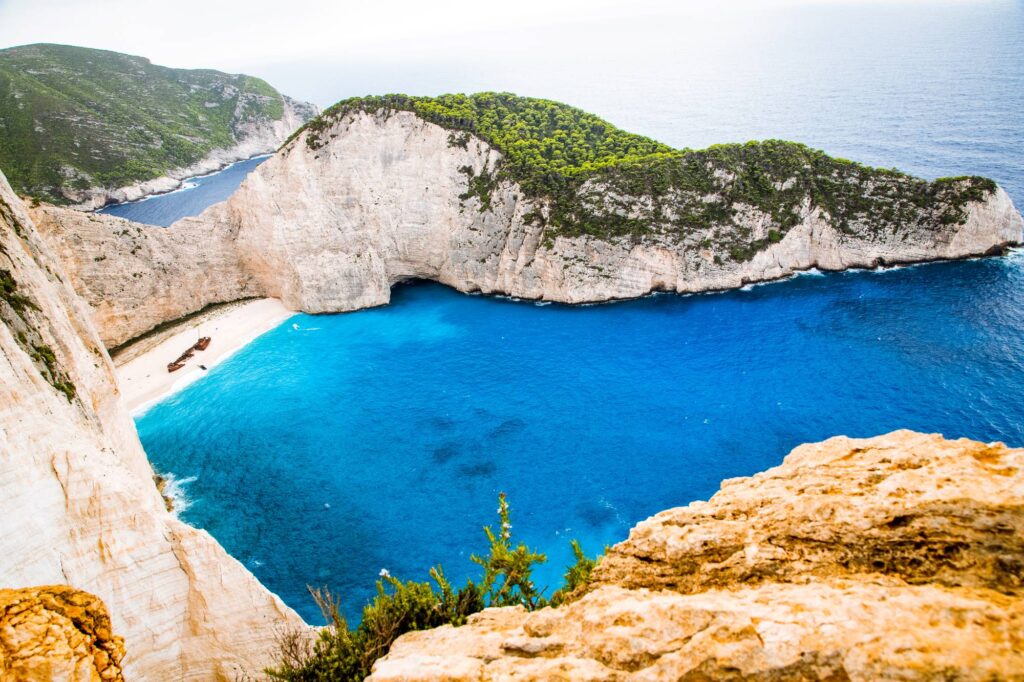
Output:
x=57 y=633
x=77 y=496
x=896 y=557
x=332 y=222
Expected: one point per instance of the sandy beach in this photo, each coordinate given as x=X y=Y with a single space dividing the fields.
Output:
x=142 y=366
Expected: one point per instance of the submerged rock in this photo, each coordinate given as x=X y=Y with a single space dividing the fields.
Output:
x=896 y=557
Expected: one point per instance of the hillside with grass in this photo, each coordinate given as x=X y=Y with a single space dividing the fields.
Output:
x=602 y=181
x=73 y=118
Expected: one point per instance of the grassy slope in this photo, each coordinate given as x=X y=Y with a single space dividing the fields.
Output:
x=80 y=117
x=593 y=173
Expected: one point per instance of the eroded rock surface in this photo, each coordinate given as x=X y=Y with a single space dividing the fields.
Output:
x=57 y=633
x=77 y=497
x=896 y=557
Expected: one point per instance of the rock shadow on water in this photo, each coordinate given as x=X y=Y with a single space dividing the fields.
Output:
x=441 y=423
x=446 y=453
x=598 y=513
x=478 y=470
x=507 y=428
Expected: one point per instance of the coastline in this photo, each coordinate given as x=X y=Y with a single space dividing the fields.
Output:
x=183 y=183
x=141 y=366
x=95 y=198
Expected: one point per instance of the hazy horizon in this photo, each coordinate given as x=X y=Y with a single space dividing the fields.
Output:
x=325 y=53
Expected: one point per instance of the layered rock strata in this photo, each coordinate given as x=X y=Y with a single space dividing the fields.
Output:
x=384 y=199
x=77 y=494
x=896 y=557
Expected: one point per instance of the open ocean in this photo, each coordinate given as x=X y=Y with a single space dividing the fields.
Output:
x=335 y=446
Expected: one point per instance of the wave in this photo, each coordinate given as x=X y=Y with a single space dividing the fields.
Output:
x=174 y=490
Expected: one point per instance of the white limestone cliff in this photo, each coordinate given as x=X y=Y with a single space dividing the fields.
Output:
x=334 y=228
x=77 y=494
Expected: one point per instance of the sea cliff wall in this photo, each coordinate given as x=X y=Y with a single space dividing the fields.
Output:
x=77 y=495
x=135 y=277
x=385 y=198
x=333 y=228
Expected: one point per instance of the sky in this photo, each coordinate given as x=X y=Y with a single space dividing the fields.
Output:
x=322 y=51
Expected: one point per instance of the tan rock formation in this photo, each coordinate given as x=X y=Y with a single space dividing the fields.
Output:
x=77 y=493
x=57 y=633
x=332 y=229
x=896 y=557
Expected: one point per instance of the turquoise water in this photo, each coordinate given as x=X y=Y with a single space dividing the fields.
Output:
x=380 y=439
x=335 y=446
x=193 y=198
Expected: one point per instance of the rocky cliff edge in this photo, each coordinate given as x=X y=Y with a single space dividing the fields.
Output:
x=895 y=557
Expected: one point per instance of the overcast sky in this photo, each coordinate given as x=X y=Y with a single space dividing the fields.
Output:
x=297 y=44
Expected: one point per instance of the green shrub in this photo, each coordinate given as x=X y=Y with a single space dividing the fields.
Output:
x=576 y=576
x=507 y=571
x=340 y=653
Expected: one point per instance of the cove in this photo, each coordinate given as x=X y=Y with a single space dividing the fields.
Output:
x=338 y=445
x=195 y=196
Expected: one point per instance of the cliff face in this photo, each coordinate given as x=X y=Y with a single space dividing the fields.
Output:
x=77 y=494
x=896 y=557
x=386 y=197
x=134 y=277
x=57 y=633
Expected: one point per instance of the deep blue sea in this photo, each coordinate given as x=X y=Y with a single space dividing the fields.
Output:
x=335 y=446
x=193 y=198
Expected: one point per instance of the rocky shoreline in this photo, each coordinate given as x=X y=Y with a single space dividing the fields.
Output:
x=162 y=186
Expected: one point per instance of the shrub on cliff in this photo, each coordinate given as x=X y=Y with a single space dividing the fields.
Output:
x=340 y=653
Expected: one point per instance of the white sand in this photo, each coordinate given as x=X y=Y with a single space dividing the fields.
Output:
x=142 y=367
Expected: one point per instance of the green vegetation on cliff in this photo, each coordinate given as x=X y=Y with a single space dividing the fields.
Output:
x=22 y=315
x=72 y=117
x=602 y=181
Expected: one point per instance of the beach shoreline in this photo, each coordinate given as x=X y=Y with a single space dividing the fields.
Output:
x=141 y=367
